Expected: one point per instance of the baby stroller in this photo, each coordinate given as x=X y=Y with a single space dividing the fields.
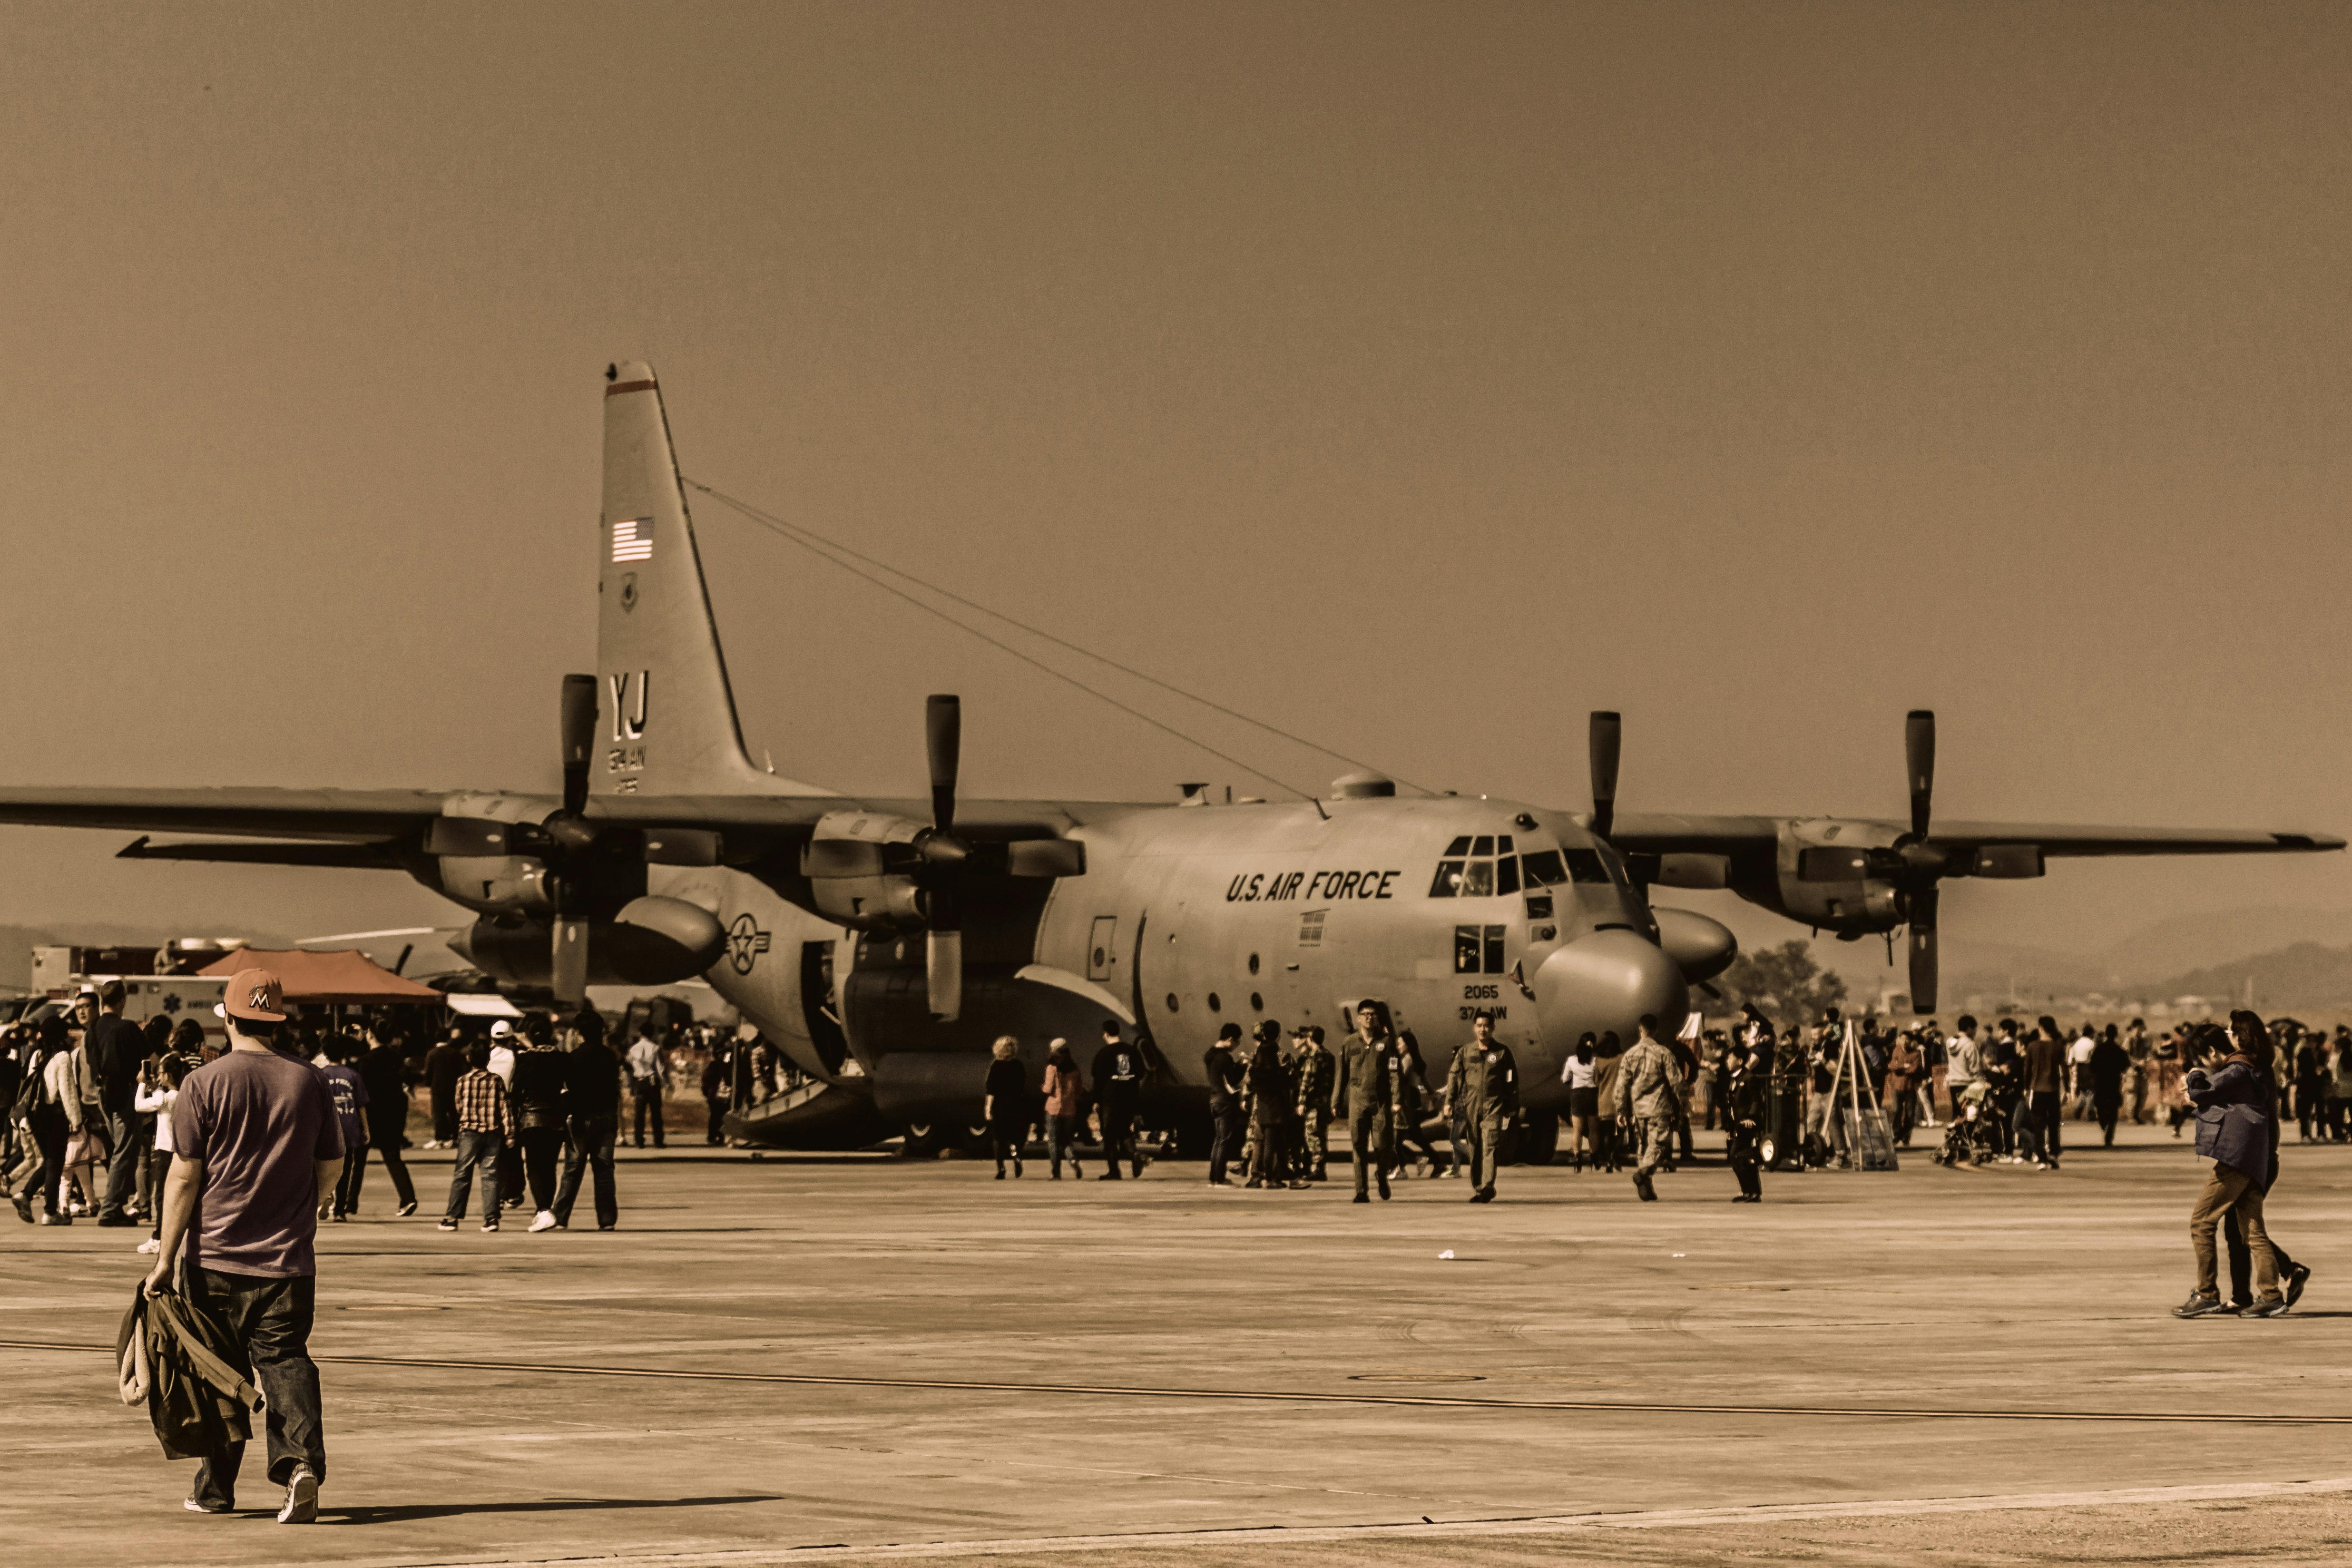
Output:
x=1970 y=1139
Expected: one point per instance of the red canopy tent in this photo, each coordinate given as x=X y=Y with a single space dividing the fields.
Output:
x=347 y=976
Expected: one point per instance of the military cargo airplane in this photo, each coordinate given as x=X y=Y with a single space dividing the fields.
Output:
x=883 y=943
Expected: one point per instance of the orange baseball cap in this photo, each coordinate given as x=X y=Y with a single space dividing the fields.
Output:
x=253 y=993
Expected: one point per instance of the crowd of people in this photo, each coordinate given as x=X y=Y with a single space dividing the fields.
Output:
x=530 y=1108
x=2005 y=1092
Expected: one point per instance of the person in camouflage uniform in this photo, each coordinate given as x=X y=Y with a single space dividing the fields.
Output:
x=1314 y=1067
x=1366 y=1089
x=1653 y=1094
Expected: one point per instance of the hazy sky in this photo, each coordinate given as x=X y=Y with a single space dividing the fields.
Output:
x=1417 y=377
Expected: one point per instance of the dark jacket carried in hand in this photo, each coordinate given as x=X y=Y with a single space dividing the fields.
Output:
x=2233 y=1117
x=195 y=1383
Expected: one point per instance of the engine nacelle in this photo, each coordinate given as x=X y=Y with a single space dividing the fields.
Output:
x=498 y=884
x=1701 y=948
x=652 y=941
x=860 y=866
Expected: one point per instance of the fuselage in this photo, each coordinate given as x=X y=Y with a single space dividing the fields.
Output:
x=1189 y=917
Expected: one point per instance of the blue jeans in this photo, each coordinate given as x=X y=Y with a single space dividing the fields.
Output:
x=476 y=1151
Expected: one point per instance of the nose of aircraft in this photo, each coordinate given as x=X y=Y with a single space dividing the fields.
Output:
x=1607 y=981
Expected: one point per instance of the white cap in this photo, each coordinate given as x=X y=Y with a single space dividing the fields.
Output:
x=501 y=1029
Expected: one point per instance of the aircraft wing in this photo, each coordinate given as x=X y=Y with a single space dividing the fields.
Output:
x=1675 y=833
x=333 y=815
x=371 y=828
x=1666 y=833
x=2055 y=839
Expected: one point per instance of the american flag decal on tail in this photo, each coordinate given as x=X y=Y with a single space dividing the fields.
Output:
x=633 y=539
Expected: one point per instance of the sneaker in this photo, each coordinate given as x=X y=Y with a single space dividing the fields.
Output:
x=599 y=1227
x=150 y=1245
x=116 y=1220
x=2296 y=1278
x=1360 y=1198
x=446 y=1225
x=491 y=1224
x=2274 y=1308
x=193 y=1505
x=407 y=1208
x=23 y=1203
x=57 y=1220
x=544 y=1221
x=2202 y=1306
x=301 y=1497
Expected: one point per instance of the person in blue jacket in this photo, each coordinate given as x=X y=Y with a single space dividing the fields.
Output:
x=2236 y=1104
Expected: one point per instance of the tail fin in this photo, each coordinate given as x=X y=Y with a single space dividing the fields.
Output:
x=666 y=713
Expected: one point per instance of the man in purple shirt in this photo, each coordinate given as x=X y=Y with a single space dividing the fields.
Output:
x=257 y=1144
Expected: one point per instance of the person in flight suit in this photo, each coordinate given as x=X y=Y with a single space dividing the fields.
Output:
x=1119 y=1085
x=1485 y=1082
x=1313 y=1066
x=1744 y=1109
x=1365 y=1086
x=1653 y=1096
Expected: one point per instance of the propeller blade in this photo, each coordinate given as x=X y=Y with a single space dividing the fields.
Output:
x=1923 y=952
x=1603 y=743
x=579 y=723
x=1919 y=753
x=568 y=963
x=943 y=737
x=1046 y=857
x=943 y=965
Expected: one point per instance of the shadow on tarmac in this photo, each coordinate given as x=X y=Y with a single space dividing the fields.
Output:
x=402 y=1513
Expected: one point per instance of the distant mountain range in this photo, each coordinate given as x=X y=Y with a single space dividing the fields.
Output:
x=2296 y=958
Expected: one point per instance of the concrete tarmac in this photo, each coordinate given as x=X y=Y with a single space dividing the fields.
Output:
x=861 y=1359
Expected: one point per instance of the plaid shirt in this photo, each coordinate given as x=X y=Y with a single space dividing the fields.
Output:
x=482 y=1104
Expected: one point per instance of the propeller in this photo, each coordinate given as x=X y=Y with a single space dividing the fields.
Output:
x=944 y=855
x=575 y=838
x=844 y=869
x=1919 y=755
x=1605 y=739
x=1913 y=863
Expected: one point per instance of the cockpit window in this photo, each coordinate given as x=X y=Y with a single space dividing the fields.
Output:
x=1477 y=866
x=1483 y=865
x=1585 y=865
x=1543 y=869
